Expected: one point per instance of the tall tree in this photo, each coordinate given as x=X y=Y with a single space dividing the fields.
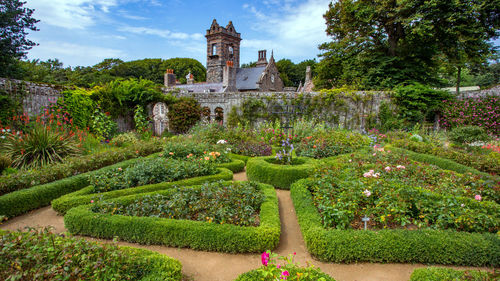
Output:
x=15 y=22
x=381 y=43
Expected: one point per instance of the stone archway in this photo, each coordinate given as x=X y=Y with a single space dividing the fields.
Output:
x=219 y=115
x=206 y=114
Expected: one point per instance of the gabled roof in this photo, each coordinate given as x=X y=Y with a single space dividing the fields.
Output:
x=248 y=78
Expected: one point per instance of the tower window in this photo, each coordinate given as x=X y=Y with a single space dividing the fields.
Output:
x=231 y=51
x=214 y=49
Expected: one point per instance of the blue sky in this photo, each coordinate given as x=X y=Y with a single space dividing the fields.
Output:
x=84 y=32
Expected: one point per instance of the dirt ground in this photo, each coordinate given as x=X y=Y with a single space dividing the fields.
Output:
x=212 y=266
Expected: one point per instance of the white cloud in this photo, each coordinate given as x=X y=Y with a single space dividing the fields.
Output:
x=164 y=33
x=295 y=27
x=70 y=14
x=74 y=54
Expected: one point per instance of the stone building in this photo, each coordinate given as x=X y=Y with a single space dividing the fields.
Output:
x=223 y=67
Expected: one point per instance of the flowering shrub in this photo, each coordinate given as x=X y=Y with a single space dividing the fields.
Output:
x=483 y=112
x=285 y=152
x=252 y=148
x=191 y=150
x=395 y=192
x=271 y=269
x=150 y=171
x=331 y=144
x=236 y=203
x=124 y=139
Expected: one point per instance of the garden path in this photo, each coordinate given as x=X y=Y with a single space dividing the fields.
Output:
x=200 y=265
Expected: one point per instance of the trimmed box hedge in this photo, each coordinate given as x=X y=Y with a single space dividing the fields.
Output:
x=21 y=201
x=449 y=274
x=279 y=176
x=243 y=158
x=235 y=165
x=256 y=275
x=181 y=233
x=398 y=245
x=85 y=195
x=75 y=165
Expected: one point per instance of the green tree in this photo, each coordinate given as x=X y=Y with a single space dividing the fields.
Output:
x=15 y=22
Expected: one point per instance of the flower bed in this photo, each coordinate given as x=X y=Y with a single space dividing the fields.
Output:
x=331 y=144
x=86 y=195
x=440 y=274
x=200 y=235
x=22 y=201
x=67 y=258
x=264 y=169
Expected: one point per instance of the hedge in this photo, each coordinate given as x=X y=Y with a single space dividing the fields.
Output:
x=160 y=267
x=243 y=158
x=74 y=166
x=449 y=274
x=22 y=201
x=85 y=195
x=442 y=163
x=398 y=245
x=279 y=176
x=235 y=165
x=181 y=233
x=256 y=275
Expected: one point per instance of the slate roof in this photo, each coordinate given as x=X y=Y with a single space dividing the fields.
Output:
x=201 y=87
x=247 y=78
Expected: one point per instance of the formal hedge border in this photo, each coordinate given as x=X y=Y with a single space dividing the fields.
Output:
x=22 y=201
x=235 y=165
x=76 y=165
x=279 y=176
x=440 y=274
x=161 y=267
x=256 y=275
x=85 y=195
x=404 y=246
x=243 y=158
x=181 y=233
x=442 y=163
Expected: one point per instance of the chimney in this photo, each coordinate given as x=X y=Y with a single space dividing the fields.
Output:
x=308 y=74
x=169 y=79
x=190 y=78
x=229 y=77
x=262 y=61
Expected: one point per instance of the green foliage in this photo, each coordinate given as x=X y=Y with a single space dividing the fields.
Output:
x=79 y=104
x=149 y=171
x=39 y=147
x=74 y=166
x=251 y=148
x=10 y=107
x=399 y=245
x=288 y=270
x=86 y=195
x=16 y=21
x=141 y=121
x=449 y=274
x=235 y=166
x=76 y=258
x=181 y=233
x=468 y=135
x=184 y=114
x=331 y=143
x=124 y=139
x=218 y=203
x=418 y=103
x=293 y=74
x=102 y=126
x=5 y=162
x=263 y=170
x=189 y=149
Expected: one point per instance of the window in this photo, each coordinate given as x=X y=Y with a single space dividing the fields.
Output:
x=214 y=49
x=231 y=51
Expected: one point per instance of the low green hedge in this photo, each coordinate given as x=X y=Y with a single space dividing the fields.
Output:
x=243 y=158
x=235 y=165
x=22 y=201
x=85 y=195
x=256 y=275
x=181 y=233
x=279 y=176
x=75 y=165
x=449 y=274
x=405 y=246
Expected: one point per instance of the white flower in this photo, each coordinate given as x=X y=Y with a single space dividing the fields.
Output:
x=367 y=193
x=400 y=167
x=387 y=169
x=3 y=137
x=350 y=160
x=3 y=130
x=221 y=142
x=228 y=149
x=8 y=130
x=462 y=205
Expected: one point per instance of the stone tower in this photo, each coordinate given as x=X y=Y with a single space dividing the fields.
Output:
x=223 y=45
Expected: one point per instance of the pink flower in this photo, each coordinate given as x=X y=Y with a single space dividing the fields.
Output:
x=367 y=193
x=478 y=197
x=264 y=258
x=400 y=167
x=278 y=266
x=284 y=274
x=91 y=201
x=387 y=169
x=374 y=154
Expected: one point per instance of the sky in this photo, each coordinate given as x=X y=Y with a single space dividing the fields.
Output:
x=85 y=32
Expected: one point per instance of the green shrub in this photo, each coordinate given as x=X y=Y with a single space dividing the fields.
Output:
x=184 y=114
x=125 y=139
x=331 y=143
x=181 y=233
x=468 y=134
x=5 y=162
x=102 y=126
x=449 y=274
x=39 y=147
x=22 y=201
x=280 y=176
x=75 y=165
x=235 y=165
x=243 y=158
x=399 y=245
x=86 y=195
x=68 y=258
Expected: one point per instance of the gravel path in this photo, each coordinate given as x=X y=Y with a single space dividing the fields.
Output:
x=212 y=266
